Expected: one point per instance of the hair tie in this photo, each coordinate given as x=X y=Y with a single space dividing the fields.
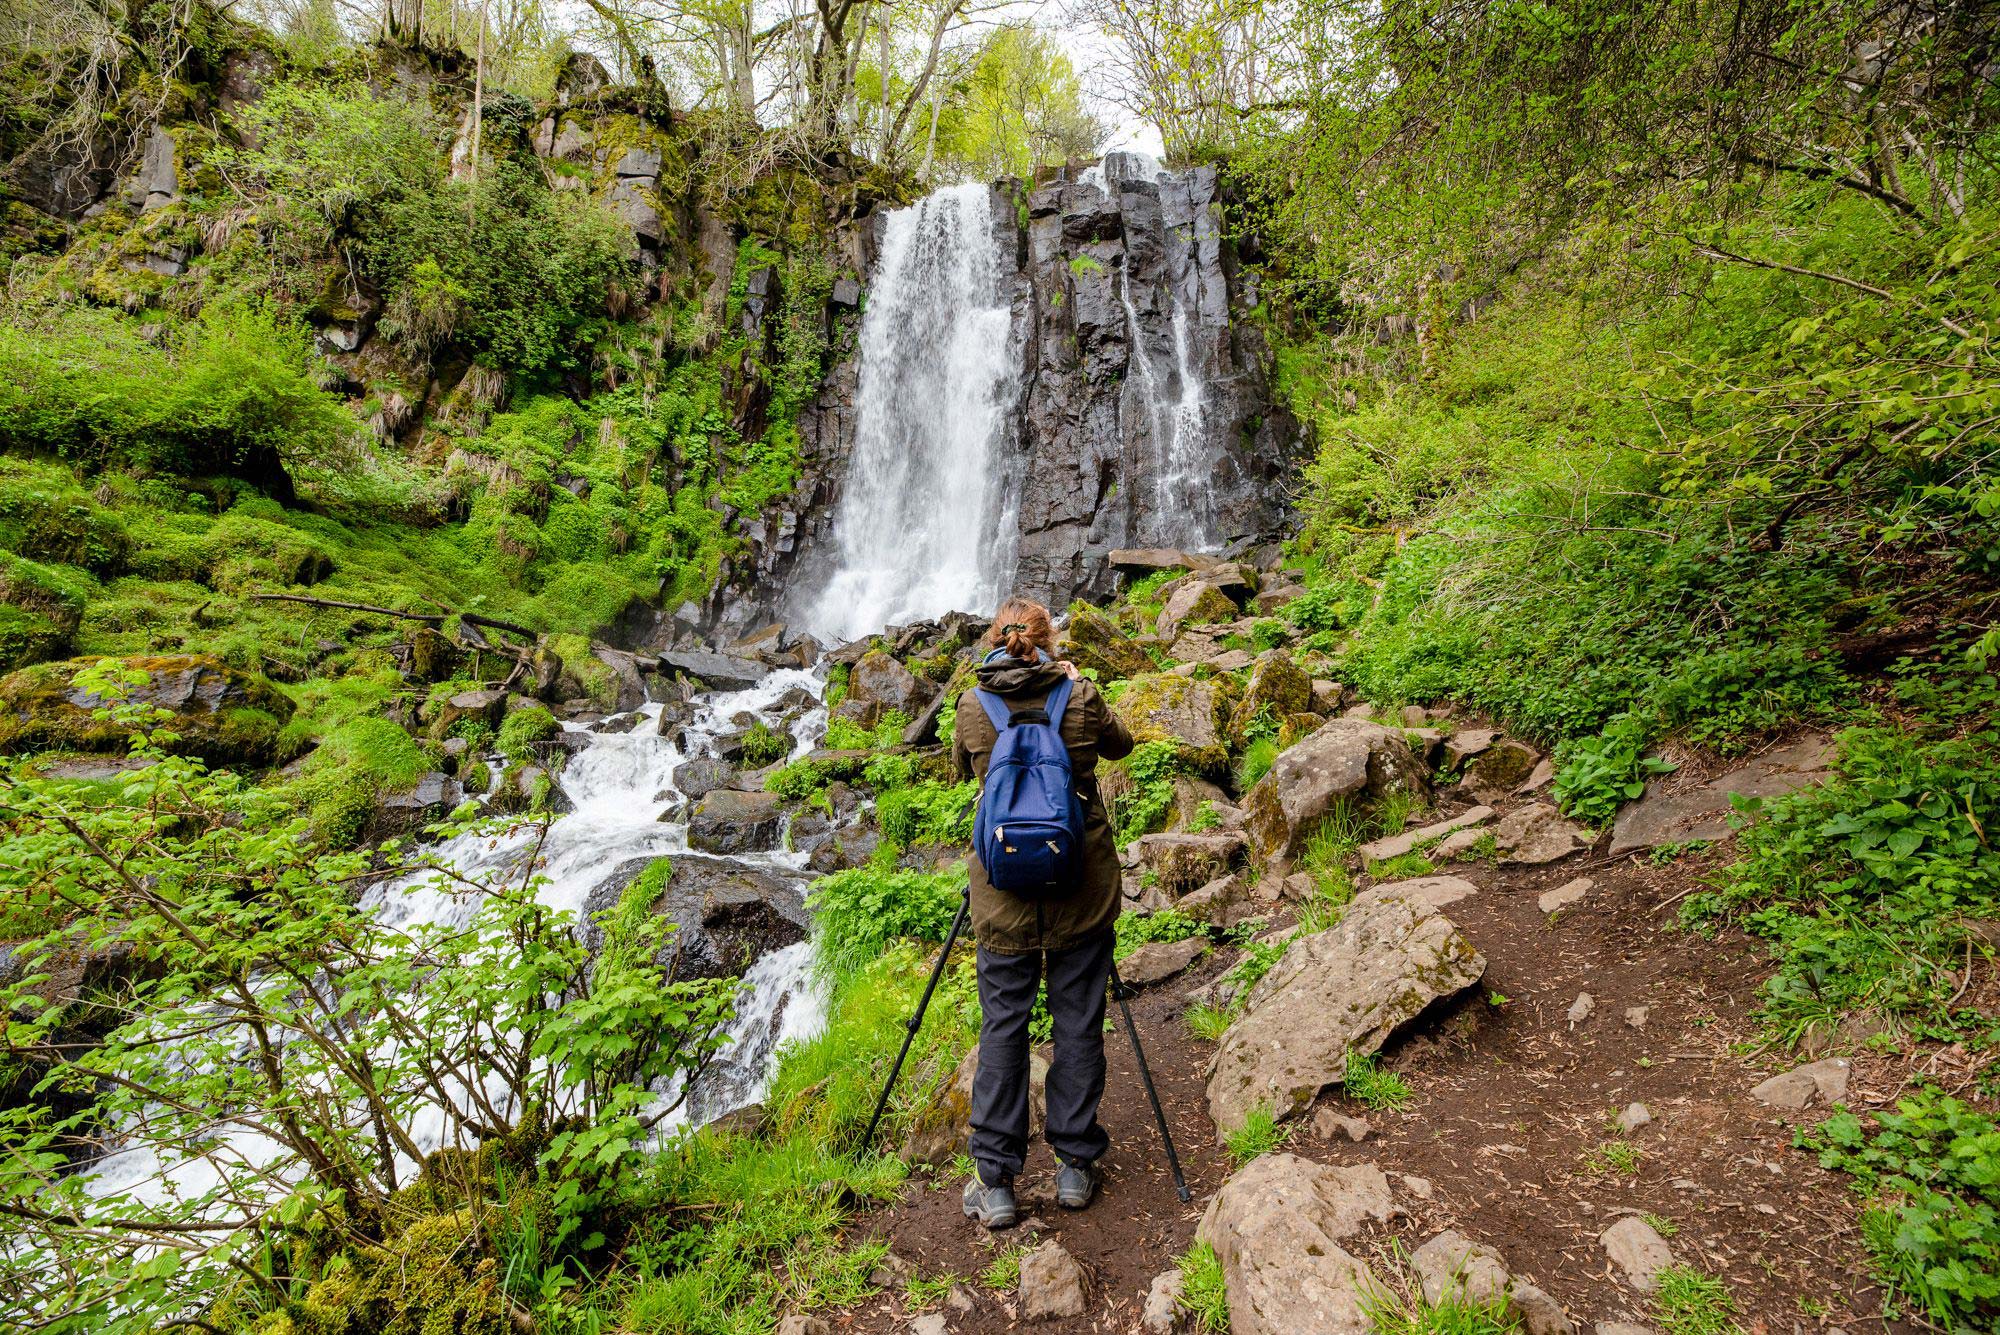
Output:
x=1012 y=626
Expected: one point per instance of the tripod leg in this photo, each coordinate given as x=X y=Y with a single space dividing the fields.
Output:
x=915 y=1022
x=1118 y=991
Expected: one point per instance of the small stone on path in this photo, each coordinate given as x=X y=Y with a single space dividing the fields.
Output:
x=1825 y=1080
x=1638 y=1250
x=1542 y=775
x=1624 y=1328
x=1460 y=841
x=1635 y=1116
x=960 y=1299
x=1569 y=892
x=930 y=1323
x=1420 y=1187
x=1051 y=1283
x=1330 y=1124
x=1395 y=845
x=796 y=1324
x=1536 y=834
x=1157 y=961
x=1581 y=1009
x=1162 y=1313
x=1636 y=1016
x=891 y=1272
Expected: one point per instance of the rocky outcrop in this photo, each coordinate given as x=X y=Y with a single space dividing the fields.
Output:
x=1346 y=989
x=1346 y=760
x=1277 y=1228
x=726 y=914
x=224 y=716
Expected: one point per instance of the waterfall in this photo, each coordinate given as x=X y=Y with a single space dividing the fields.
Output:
x=925 y=525
x=1172 y=385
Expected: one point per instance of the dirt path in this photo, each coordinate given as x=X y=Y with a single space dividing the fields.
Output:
x=1513 y=1107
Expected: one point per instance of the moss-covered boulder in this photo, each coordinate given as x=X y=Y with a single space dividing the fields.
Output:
x=1277 y=688
x=224 y=716
x=1093 y=641
x=1165 y=706
x=1193 y=603
x=1346 y=761
x=40 y=608
x=881 y=681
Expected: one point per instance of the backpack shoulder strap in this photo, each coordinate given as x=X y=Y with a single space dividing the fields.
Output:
x=1058 y=701
x=996 y=708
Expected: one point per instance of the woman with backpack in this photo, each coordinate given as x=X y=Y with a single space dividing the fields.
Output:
x=1045 y=897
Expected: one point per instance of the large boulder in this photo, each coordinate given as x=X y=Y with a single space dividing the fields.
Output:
x=223 y=715
x=1345 y=989
x=727 y=914
x=1093 y=642
x=1277 y=689
x=729 y=821
x=717 y=671
x=1196 y=602
x=1277 y=1228
x=1345 y=760
x=880 y=681
x=1166 y=707
x=1182 y=863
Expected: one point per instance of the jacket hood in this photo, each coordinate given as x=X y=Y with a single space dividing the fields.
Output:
x=1011 y=676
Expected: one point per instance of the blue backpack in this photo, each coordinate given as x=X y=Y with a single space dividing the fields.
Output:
x=1028 y=833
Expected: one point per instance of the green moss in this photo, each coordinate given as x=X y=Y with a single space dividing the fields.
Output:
x=524 y=726
x=41 y=607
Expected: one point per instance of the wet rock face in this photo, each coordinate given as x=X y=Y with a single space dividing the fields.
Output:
x=728 y=913
x=1126 y=304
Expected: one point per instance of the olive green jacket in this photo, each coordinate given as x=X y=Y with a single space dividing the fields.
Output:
x=1003 y=922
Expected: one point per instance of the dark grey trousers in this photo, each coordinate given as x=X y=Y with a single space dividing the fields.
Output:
x=1007 y=985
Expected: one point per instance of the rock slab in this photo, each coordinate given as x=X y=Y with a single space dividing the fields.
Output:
x=1347 y=988
x=1051 y=1283
x=1277 y=1227
x=1638 y=1251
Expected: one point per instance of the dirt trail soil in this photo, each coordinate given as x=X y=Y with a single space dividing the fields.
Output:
x=1514 y=1104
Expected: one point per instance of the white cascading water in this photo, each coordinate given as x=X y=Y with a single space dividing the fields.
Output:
x=922 y=527
x=619 y=785
x=1170 y=380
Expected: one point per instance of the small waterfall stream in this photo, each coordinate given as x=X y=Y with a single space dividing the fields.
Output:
x=619 y=785
x=925 y=525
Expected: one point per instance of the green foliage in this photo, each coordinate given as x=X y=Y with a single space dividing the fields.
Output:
x=1207 y=1021
x=1688 y=1302
x=1864 y=885
x=1369 y=1085
x=228 y=886
x=1003 y=1273
x=1405 y=1310
x=1259 y=1134
x=1255 y=762
x=927 y=813
x=857 y=913
x=1930 y=1171
x=232 y=391
x=523 y=726
x=844 y=734
x=763 y=746
x=1597 y=775
x=1021 y=106
x=1138 y=929
x=1153 y=767
x=1613 y=1156
x=1203 y=1296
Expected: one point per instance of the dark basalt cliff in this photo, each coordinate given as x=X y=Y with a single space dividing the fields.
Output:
x=1082 y=445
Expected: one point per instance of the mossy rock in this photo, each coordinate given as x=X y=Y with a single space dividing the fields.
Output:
x=1166 y=706
x=1278 y=687
x=1092 y=640
x=432 y=1278
x=40 y=610
x=583 y=676
x=223 y=715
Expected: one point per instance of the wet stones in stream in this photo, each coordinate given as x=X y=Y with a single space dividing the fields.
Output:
x=728 y=913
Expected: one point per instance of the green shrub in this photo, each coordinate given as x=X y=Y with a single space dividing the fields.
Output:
x=524 y=726
x=1153 y=767
x=762 y=746
x=1931 y=1173
x=1203 y=1295
x=927 y=813
x=1138 y=929
x=1863 y=885
x=858 y=913
x=1597 y=775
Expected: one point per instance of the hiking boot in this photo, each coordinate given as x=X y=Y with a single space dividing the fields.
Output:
x=992 y=1206
x=1076 y=1184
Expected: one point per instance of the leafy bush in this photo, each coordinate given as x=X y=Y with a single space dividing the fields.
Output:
x=1597 y=775
x=858 y=913
x=1153 y=767
x=524 y=726
x=927 y=813
x=1864 y=886
x=1931 y=1172
x=1139 y=929
x=762 y=746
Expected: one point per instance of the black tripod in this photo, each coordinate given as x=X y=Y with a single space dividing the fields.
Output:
x=1119 y=992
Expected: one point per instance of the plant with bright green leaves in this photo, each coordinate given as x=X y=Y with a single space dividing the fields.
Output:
x=1203 y=1295
x=1260 y=1133
x=1207 y=1021
x=367 y=1033
x=1153 y=767
x=1863 y=884
x=1401 y=1307
x=927 y=813
x=1368 y=1084
x=764 y=745
x=1688 y=1302
x=1259 y=754
x=1138 y=929
x=1930 y=1171
x=857 y=913
x=1597 y=775
x=522 y=728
